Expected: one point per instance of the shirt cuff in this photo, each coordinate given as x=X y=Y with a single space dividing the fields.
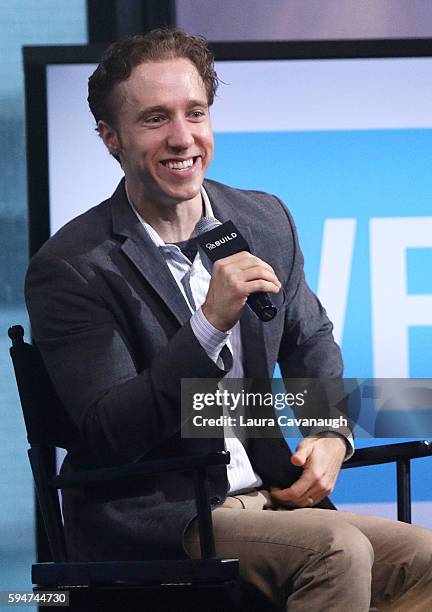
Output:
x=211 y=339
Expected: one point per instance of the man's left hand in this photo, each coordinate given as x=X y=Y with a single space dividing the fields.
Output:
x=321 y=459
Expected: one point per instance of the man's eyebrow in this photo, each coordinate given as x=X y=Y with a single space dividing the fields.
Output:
x=197 y=102
x=164 y=109
x=152 y=109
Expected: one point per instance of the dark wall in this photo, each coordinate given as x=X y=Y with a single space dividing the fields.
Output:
x=13 y=214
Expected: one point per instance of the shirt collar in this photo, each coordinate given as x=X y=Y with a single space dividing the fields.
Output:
x=208 y=212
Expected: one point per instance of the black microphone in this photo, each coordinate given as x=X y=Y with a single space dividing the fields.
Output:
x=217 y=240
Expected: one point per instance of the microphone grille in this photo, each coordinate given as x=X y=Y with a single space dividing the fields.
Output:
x=205 y=224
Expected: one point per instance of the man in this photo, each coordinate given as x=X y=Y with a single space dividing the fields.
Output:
x=122 y=310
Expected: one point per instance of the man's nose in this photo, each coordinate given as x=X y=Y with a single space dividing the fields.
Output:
x=180 y=134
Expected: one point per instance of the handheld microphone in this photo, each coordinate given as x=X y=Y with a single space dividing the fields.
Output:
x=217 y=240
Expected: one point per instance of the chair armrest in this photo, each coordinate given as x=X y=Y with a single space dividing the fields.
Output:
x=174 y=464
x=195 y=463
x=388 y=453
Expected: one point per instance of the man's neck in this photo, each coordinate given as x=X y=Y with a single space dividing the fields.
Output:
x=173 y=222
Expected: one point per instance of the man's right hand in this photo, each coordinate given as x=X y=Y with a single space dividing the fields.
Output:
x=233 y=280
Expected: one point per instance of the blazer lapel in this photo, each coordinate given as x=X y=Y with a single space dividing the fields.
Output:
x=145 y=255
x=253 y=331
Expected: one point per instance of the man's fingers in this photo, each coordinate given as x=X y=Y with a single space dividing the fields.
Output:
x=258 y=272
x=310 y=497
x=233 y=280
x=297 y=491
x=321 y=459
x=292 y=501
x=299 y=458
x=255 y=271
x=260 y=285
x=304 y=450
x=251 y=280
x=240 y=261
x=320 y=490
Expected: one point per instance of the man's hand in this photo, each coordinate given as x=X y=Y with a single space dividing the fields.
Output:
x=233 y=279
x=321 y=459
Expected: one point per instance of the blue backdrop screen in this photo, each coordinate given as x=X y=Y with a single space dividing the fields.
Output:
x=347 y=145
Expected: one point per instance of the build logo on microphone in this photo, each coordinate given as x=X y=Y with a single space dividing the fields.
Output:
x=213 y=245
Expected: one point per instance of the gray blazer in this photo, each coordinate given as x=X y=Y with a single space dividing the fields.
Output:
x=113 y=329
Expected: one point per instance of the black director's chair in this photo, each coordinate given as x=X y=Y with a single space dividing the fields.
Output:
x=160 y=585
x=164 y=585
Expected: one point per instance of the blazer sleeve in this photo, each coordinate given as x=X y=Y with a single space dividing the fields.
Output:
x=309 y=351
x=307 y=348
x=121 y=413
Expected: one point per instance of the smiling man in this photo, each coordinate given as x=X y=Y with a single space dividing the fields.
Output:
x=163 y=139
x=123 y=309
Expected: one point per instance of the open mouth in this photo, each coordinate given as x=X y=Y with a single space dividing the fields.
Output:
x=183 y=164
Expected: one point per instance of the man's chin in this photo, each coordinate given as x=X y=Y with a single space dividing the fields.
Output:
x=177 y=196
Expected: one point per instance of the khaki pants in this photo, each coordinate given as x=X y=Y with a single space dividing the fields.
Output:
x=316 y=560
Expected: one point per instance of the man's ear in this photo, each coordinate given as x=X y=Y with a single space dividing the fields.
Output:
x=110 y=138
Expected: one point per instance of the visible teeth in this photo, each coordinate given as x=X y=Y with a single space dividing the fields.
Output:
x=180 y=165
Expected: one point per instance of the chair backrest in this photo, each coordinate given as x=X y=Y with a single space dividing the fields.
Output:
x=48 y=426
x=46 y=419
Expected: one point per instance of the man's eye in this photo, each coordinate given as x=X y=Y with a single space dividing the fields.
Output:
x=154 y=119
x=197 y=114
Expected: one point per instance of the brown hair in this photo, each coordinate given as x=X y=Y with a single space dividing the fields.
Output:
x=121 y=57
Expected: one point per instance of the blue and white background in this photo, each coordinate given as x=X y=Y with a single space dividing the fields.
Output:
x=347 y=145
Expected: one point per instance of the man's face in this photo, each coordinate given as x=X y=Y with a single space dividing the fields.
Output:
x=162 y=134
